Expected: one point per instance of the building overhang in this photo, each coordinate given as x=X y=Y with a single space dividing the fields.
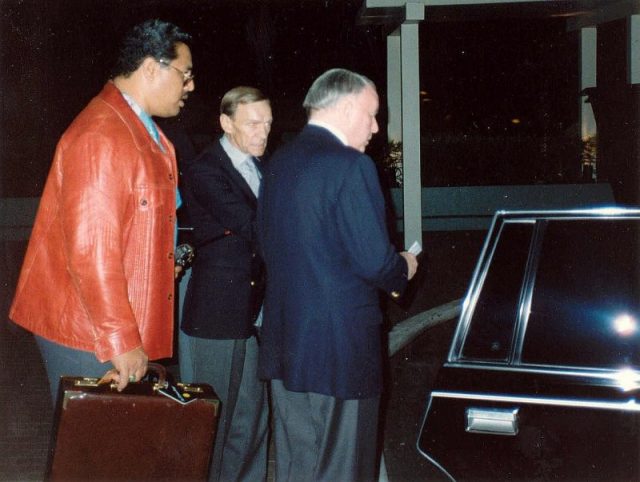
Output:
x=577 y=13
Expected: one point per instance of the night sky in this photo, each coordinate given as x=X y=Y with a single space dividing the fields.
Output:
x=477 y=76
x=56 y=56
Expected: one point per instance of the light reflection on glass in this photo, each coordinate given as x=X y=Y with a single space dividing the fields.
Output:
x=627 y=379
x=611 y=211
x=625 y=325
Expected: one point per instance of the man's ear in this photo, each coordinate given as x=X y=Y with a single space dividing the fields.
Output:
x=149 y=68
x=226 y=123
x=346 y=106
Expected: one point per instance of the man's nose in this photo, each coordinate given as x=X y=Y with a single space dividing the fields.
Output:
x=374 y=126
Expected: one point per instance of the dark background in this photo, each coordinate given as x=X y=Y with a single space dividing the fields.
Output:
x=499 y=104
x=56 y=55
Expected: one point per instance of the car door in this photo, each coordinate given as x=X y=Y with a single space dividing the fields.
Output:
x=542 y=377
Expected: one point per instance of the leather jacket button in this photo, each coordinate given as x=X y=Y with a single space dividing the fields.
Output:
x=170 y=297
x=170 y=255
x=171 y=177
x=143 y=202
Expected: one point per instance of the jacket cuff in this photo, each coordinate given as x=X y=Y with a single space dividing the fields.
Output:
x=108 y=347
x=398 y=284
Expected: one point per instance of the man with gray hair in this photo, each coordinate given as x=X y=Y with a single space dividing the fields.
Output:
x=326 y=249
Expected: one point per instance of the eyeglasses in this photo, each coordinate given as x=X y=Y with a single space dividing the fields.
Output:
x=186 y=76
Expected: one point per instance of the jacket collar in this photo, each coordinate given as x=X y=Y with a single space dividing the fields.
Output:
x=111 y=95
x=336 y=132
x=322 y=132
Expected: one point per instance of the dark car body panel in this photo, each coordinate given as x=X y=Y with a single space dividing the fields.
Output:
x=544 y=368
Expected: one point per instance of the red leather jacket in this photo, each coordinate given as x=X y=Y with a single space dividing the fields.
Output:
x=98 y=272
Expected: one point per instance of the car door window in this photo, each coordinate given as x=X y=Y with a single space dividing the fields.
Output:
x=585 y=300
x=493 y=321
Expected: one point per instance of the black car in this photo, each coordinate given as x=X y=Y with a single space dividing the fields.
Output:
x=543 y=375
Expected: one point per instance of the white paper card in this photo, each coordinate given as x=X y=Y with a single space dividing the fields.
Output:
x=415 y=249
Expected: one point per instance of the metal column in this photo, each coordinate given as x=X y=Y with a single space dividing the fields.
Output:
x=412 y=185
x=394 y=87
x=634 y=49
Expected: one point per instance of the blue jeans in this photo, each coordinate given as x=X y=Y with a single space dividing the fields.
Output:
x=62 y=361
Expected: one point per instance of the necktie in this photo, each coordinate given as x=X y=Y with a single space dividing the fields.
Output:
x=251 y=175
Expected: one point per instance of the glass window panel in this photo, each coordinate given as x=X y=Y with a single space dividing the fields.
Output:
x=584 y=309
x=494 y=317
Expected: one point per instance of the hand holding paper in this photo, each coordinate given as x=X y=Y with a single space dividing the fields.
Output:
x=412 y=262
x=415 y=249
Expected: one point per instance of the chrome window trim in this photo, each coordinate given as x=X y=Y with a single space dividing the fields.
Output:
x=526 y=290
x=471 y=298
x=626 y=406
x=477 y=282
x=542 y=369
x=611 y=374
x=595 y=212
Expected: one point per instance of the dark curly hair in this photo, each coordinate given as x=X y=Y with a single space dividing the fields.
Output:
x=152 y=38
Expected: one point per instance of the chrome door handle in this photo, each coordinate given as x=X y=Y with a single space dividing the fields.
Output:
x=495 y=421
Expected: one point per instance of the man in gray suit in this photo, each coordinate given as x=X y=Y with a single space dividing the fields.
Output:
x=224 y=296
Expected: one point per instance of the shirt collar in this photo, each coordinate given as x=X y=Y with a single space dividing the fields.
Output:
x=146 y=119
x=236 y=155
x=336 y=132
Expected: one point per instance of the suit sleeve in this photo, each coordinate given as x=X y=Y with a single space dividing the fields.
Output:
x=213 y=190
x=363 y=230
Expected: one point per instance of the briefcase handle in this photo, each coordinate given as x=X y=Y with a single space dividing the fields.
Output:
x=152 y=368
x=160 y=371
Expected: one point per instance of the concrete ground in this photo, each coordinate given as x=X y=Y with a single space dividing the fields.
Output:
x=25 y=413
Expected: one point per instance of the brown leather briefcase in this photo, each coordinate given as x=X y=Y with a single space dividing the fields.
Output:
x=150 y=431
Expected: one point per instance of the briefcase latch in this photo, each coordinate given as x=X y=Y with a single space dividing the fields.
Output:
x=86 y=382
x=185 y=387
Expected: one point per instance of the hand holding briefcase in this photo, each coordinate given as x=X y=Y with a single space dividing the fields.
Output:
x=149 y=431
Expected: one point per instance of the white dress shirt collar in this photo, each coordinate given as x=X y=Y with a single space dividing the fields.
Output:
x=236 y=155
x=336 y=132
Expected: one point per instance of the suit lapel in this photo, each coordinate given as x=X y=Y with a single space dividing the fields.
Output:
x=235 y=177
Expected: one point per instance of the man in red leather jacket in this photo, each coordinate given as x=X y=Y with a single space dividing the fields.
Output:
x=97 y=281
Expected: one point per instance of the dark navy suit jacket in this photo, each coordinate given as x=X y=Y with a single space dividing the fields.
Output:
x=225 y=290
x=324 y=240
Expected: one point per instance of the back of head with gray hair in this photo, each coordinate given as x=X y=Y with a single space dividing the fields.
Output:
x=331 y=86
